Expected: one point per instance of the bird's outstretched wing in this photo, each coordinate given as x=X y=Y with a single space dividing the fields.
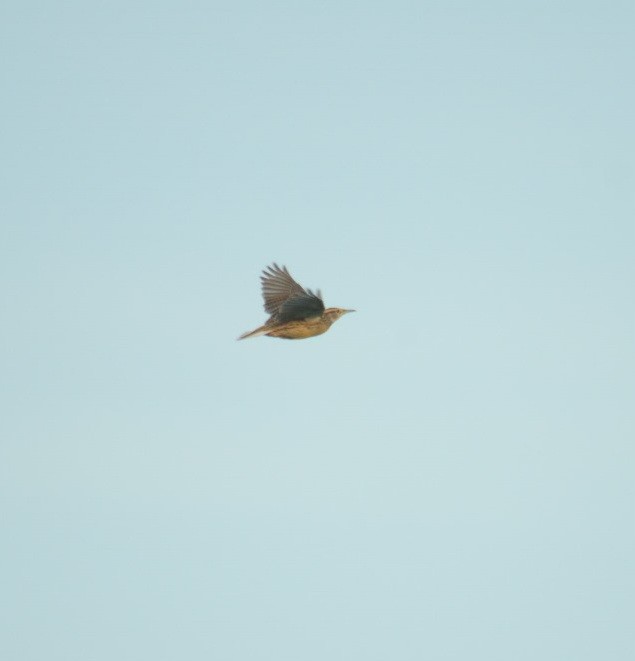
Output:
x=285 y=299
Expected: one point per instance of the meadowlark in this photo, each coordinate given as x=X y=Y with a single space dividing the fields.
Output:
x=296 y=313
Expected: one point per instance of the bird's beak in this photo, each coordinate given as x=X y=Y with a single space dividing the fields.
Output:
x=350 y=310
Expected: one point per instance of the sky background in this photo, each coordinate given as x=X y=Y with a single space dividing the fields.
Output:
x=446 y=474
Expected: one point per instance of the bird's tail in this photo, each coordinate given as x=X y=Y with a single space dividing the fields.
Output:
x=262 y=330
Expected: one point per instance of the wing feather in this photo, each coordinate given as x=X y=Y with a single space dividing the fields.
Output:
x=286 y=300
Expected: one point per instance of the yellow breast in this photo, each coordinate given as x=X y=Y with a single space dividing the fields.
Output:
x=299 y=330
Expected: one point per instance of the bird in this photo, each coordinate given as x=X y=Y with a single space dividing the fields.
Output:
x=295 y=312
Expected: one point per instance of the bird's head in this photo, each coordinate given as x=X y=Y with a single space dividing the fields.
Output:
x=333 y=314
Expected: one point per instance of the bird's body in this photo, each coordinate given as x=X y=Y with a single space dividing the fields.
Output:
x=296 y=313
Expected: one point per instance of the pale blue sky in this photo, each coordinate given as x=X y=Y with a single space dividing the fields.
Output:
x=448 y=473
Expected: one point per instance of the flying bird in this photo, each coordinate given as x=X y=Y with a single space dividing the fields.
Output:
x=296 y=313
